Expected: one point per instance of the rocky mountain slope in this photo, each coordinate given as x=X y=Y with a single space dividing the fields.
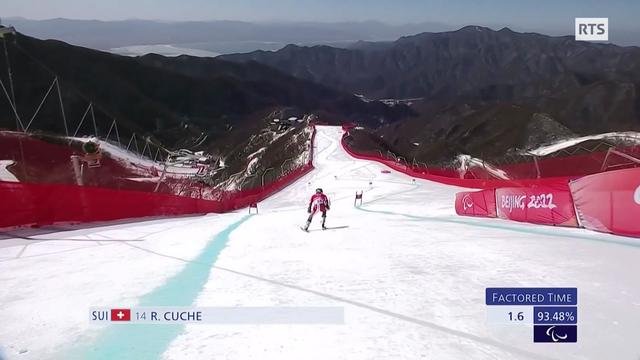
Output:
x=476 y=90
x=184 y=102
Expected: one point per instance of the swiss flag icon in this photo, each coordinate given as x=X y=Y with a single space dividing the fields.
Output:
x=120 y=314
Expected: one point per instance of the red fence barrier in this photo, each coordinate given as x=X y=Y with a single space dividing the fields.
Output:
x=540 y=205
x=520 y=174
x=609 y=202
x=476 y=203
x=574 y=165
x=456 y=181
x=44 y=204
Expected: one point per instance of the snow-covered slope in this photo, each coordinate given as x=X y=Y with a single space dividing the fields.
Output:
x=410 y=274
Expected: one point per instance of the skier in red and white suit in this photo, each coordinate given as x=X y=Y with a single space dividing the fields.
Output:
x=319 y=202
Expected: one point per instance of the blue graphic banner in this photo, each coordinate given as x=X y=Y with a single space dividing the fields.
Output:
x=557 y=315
x=532 y=296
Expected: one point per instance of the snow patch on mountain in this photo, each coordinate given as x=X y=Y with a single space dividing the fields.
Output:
x=141 y=164
x=628 y=136
x=467 y=161
x=5 y=174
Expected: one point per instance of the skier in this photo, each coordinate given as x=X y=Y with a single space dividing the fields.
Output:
x=319 y=202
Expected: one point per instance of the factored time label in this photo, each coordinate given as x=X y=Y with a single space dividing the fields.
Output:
x=532 y=296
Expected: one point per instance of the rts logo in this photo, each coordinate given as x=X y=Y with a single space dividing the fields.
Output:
x=592 y=29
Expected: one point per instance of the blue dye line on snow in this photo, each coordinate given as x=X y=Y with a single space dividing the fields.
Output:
x=142 y=341
x=630 y=243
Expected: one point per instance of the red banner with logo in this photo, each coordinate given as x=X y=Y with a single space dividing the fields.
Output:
x=538 y=205
x=609 y=202
x=476 y=203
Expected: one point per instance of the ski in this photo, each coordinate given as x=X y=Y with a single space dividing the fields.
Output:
x=330 y=228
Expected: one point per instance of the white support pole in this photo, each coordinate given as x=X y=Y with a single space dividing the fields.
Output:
x=117 y=132
x=164 y=172
x=137 y=148
x=133 y=136
x=64 y=116
x=6 y=54
x=109 y=131
x=623 y=155
x=264 y=173
x=604 y=162
x=146 y=146
x=484 y=167
x=535 y=161
x=40 y=106
x=82 y=120
x=77 y=171
x=19 y=123
x=93 y=117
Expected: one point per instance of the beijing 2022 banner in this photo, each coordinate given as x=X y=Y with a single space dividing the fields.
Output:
x=539 y=205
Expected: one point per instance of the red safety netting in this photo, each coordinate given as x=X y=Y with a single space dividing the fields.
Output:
x=609 y=202
x=38 y=161
x=476 y=203
x=540 y=205
x=42 y=204
x=446 y=176
x=520 y=174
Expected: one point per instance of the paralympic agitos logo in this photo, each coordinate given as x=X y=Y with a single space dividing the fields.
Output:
x=467 y=202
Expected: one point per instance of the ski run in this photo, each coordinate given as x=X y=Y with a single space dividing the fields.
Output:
x=409 y=274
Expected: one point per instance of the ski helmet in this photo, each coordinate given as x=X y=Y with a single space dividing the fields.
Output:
x=319 y=190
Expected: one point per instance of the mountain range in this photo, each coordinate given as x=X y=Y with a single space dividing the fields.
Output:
x=174 y=100
x=476 y=90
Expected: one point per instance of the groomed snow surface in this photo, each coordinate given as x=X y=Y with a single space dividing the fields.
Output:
x=410 y=274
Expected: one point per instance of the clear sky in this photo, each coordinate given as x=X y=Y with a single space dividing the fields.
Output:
x=520 y=13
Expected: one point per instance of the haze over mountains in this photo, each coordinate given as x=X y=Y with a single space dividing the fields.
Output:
x=209 y=38
x=214 y=36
